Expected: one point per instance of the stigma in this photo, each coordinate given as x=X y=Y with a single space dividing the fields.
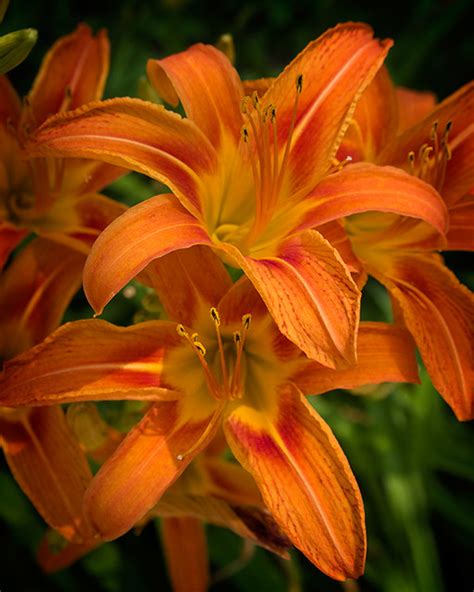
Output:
x=430 y=162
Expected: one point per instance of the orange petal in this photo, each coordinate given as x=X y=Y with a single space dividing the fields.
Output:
x=334 y=233
x=439 y=312
x=188 y=280
x=460 y=236
x=72 y=73
x=35 y=290
x=10 y=237
x=145 y=464
x=385 y=353
x=459 y=109
x=185 y=547
x=145 y=232
x=259 y=85
x=364 y=187
x=374 y=122
x=49 y=465
x=249 y=522
x=311 y=296
x=83 y=177
x=51 y=560
x=10 y=105
x=336 y=68
x=136 y=135
x=229 y=481
x=207 y=85
x=77 y=222
x=305 y=480
x=413 y=106
x=92 y=360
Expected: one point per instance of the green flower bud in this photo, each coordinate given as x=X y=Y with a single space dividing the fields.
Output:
x=14 y=47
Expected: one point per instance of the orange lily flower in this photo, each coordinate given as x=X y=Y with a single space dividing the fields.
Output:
x=211 y=490
x=251 y=180
x=54 y=198
x=434 y=143
x=225 y=364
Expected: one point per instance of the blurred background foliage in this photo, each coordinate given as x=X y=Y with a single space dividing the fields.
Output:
x=413 y=460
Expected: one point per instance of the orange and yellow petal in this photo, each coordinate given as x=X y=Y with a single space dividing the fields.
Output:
x=35 y=290
x=364 y=187
x=92 y=360
x=137 y=135
x=49 y=465
x=152 y=456
x=439 y=313
x=149 y=230
x=385 y=353
x=209 y=89
x=305 y=480
x=73 y=73
x=185 y=547
x=336 y=68
x=310 y=294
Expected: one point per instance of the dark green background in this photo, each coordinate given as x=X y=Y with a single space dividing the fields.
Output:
x=412 y=459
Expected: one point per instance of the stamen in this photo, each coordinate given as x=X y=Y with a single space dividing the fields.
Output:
x=216 y=417
x=212 y=385
x=431 y=161
x=299 y=90
x=217 y=321
x=239 y=340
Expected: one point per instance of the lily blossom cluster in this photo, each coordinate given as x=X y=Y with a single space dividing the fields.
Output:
x=308 y=183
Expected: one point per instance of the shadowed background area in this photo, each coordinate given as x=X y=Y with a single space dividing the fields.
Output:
x=412 y=459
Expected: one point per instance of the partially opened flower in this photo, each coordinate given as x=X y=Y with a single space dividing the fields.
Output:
x=52 y=197
x=402 y=253
x=225 y=364
x=244 y=171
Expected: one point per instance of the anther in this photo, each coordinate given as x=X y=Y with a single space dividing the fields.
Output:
x=244 y=105
x=246 y=320
x=200 y=347
x=299 y=83
x=244 y=132
x=237 y=338
x=181 y=331
x=215 y=316
x=434 y=131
